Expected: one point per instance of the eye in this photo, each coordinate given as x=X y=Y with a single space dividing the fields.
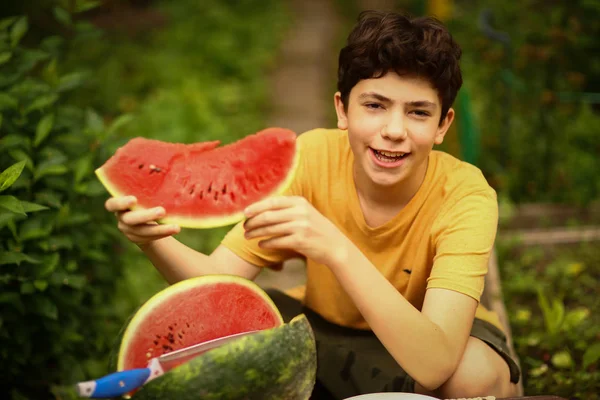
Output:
x=373 y=106
x=421 y=113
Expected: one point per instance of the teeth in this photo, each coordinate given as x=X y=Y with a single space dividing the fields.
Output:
x=390 y=154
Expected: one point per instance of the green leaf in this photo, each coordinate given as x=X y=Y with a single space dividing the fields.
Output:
x=93 y=121
x=27 y=288
x=45 y=307
x=83 y=166
x=71 y=81
x=6 y=22
x=553 y=313
x=11 y=203
x=6 y=217
x=118 y=123
x=19 y=29
x=7 y=101
x=45 y=169
x=30 y=58
x=20 y=155
x=48 y=266
x=75 y=281
x=35 y=228
x=86 y=5
x=40 y=285
x=71 y=266
x=49 y=197
x=32 y=207
x=50 y=73
x=13 y=140
x=96 y=255
x=5 y=56
x=591 y=355
x=42 y=102
x=56 y=243
x=43 y=129
x=10 y=175
x=539 y=371
x=575 y=317
x=562 y=359
x=12 y=257
x=62 y=16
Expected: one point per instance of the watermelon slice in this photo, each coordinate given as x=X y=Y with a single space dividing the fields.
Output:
x=202 y=185
x=194 y=311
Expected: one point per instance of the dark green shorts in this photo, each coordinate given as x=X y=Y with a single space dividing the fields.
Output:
x=352 y=362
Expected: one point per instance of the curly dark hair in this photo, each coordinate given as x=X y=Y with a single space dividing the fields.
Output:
x=386 y=41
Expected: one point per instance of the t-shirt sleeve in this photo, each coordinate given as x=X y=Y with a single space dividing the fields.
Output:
x=249 y=250
x=463 y=238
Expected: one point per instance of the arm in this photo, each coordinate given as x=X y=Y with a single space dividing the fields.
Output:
x=176 y=261
x=432 y=341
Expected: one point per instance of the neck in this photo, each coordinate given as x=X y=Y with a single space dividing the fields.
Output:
x=389 y=197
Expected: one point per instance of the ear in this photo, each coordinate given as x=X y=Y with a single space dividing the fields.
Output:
x=342 y=118
x=444 y=126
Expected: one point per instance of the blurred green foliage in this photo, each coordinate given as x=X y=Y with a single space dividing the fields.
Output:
x=181 y=71
x=554 y=313
x=531 y=98
x=59 y=255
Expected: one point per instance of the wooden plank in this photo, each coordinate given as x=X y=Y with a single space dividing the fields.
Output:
x=492 y=298
x=553 y=236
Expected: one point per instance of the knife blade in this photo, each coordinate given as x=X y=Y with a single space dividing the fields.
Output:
x=122 y=382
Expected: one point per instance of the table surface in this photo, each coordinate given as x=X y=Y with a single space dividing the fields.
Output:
x=548 y=397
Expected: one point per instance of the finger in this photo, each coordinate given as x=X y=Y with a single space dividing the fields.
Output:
x=271 y=217
x=287 y=242
x=270 y=203
x=120 y=203
x=286 y=228
x=142 y=216
x=149 y=231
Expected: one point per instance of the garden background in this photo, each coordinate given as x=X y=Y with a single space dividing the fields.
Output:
x=78 y=78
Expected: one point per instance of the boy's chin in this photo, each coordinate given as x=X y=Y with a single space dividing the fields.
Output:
x=386 y=179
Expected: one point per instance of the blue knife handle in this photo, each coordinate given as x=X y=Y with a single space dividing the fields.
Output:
x=115 y=384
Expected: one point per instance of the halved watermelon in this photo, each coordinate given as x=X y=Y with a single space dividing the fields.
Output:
x=194 y=311
x=274 y=364
x=201 y=185
x=279 y=362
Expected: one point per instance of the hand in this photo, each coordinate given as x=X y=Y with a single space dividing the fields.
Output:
x=139 y=226
x=292 y=223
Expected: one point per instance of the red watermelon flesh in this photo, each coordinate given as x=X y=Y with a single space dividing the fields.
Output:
x=202 y=185
x=130 y=164
x=195 y=311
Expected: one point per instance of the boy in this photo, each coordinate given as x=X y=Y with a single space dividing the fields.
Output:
x=397 y=236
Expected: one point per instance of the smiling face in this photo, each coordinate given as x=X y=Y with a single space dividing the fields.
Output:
x=393 y=122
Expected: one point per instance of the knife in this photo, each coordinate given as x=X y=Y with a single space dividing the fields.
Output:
x=123 y=382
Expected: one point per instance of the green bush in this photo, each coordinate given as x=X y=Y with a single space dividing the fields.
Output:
x=534 y=100
x=58 y=250
x=555 y=317
x=70 y=279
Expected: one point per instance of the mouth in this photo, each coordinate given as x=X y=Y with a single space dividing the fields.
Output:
x=390 y=157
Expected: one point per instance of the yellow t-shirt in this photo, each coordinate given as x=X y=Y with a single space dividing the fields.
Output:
x=441 y=239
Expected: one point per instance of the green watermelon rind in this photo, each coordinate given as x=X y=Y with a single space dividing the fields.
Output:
x=146 y=309
x=205 y=222
x=274 y=364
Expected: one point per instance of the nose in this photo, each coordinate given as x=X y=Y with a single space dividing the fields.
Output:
x=395 y=128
